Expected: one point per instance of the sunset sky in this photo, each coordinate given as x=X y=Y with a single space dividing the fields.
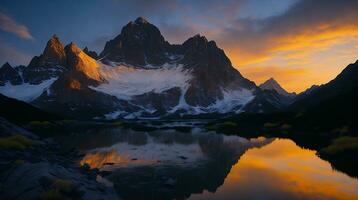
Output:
x=298 y=42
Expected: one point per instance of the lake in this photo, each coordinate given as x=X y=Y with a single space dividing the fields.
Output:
x=169 y=164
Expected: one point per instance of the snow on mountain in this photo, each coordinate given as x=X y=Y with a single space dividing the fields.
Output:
x=139 y=75
x=232 y=100
x=125 y=82
x=26 y=91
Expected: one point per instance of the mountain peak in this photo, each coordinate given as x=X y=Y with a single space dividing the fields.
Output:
x=53 y=53
x=81 y=63
x=6 y=66
x=271 y=81
x=8 y=73
x=141 y=20
x=54 y=44
x=139 y=43
x=72 y=47
x=55 y=38
x=93 y=54
x=272 y=84
x=199 y=37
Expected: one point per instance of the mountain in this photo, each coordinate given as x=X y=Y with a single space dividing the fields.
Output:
x=330 y=107
x=137 y=75
x=306 y=92
x=272 y=84
x=279 y=96
x=140 y=43
x=9 y=74
x=345 y=82
x=48 y=65
x=18 y=111
x=70 y=94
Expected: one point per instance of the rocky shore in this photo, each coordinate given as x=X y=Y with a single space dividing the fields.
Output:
x=35 y=168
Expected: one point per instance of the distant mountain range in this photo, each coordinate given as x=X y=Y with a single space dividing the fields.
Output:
x=141 y=75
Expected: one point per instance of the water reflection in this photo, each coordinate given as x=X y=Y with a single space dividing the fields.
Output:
x=282 y=170
x=205 y=165
x=168 y=148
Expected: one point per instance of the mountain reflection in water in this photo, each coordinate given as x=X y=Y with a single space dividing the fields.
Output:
x=282 y=170
x=204 y=165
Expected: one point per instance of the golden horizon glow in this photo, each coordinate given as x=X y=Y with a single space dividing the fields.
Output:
x=286 y=169
x=298 y=61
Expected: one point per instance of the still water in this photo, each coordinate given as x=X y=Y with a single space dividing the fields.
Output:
x=168 y=164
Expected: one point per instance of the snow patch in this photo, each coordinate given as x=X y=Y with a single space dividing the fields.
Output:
x=125 y=82
x=231 y=100
x=115 y=114
x=25 y=92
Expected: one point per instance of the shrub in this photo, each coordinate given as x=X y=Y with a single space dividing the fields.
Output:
x=270 y=125
x=117 y=123
x=62 y=185
x=341 y=145
x=229 y=123
x=52 y=194
x=60 y=189
x=285 y=126
x=16 y=142
x=19 y=162
x=41 y=124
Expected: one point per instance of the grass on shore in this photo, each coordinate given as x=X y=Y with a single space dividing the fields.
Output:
x=341 y=145
x=15 y=142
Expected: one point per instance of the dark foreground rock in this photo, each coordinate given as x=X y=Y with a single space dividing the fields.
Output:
x=32 y=168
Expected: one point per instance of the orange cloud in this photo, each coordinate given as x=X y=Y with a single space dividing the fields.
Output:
x=7 y=24
x=293 y=59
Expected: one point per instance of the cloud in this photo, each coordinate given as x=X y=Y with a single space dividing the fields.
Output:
x=8 y=24
x=288 y=40
x=307 y=25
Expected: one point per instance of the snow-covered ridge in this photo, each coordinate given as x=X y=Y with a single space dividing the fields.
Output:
x=125 y=82
x=26 y=92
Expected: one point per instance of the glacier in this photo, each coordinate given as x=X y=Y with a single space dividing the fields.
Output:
x=25 y=91
x=124 y=82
